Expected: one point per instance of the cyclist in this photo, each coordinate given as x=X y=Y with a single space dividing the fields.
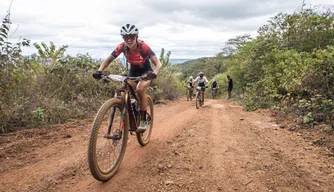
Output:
x=214 y=86
x=139 y=55
x=201 y=83
x=190 y=81
x=190 y=86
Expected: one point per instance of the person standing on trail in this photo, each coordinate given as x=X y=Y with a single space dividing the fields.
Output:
x=139 y=55
x=230 y=86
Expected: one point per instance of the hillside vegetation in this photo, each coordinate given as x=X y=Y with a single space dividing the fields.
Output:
x=288 y=66
x=50 y=87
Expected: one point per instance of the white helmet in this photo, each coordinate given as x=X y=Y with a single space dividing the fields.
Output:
x=191 y=77
x=129 y=29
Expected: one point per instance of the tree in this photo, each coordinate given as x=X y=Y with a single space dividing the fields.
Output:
x=13 y=71
x=164 y=59
x=234 y=44
x=303 y=31
x=10 y=56
x=50 y=55
x=219 y=64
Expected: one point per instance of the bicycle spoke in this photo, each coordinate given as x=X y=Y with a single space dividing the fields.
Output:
x=109 y=148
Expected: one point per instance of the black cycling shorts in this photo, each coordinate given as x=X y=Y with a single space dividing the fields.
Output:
x=136 y=71
x=201 y=84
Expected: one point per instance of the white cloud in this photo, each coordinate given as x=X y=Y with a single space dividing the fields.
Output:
x=190 y=29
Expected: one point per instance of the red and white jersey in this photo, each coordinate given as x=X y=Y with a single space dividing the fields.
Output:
x=135 y=58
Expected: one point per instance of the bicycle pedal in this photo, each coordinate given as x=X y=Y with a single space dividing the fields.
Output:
x=114 y=137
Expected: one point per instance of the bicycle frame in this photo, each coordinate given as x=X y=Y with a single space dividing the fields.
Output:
x=103 y=160
x=214 y=92
x=128 y=91
x=200 y=89
x=200 y=95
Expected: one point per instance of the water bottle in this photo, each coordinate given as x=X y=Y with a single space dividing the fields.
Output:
x=134 y=106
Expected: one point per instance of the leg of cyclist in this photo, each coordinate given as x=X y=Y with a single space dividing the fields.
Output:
x=140 y=89
x=141 y=92
x=203 y=92
x=191 y=92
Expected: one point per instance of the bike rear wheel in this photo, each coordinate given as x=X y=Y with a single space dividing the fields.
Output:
x=105 y=153
x=144 y=138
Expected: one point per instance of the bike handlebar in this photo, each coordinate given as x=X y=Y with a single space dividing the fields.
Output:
x=112 y=77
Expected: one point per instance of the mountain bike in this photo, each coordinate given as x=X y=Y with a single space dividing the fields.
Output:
x=115 y=119
x=199 y=96
x=214 y=92
x=190 y=92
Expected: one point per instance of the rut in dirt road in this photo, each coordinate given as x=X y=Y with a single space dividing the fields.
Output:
x=218 y=147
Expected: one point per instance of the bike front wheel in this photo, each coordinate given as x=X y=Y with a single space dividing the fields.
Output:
x=214 y=94
x=144 y=138
x=198 y=100
x=106 y=150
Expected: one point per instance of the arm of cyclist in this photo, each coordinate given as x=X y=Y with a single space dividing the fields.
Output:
x=105 y=63
x=206 y=81
x=147 y=51
x=186 y=84
x=157 y=67
x=195 y=82
x=108 y=60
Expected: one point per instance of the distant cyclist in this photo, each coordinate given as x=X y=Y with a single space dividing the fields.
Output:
x=214 y=85
x=190 y=82
x=190 y=86
x=202 y=81
x=139 y=55
x=214 y=88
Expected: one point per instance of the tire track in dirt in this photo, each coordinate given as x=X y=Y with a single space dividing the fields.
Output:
x=227 y=139
x=220 y=154
x=265 y=153
x=168 y=121
x=285 y=162
x=218 y=147
x=46 y=166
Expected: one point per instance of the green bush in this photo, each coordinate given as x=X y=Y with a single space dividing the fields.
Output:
x=166 y=86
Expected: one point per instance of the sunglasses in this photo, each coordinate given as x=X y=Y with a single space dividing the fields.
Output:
x=127 y=37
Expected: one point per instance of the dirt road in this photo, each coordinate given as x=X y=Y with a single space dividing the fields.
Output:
x=218 y=147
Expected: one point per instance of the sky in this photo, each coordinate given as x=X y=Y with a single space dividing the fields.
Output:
x=190 y=29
